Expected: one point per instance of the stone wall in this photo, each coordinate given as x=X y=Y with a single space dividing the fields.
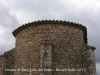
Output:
x=67 y=47
x=9 y=62
x=1 y=64
x=49 y=44
x=90 y=51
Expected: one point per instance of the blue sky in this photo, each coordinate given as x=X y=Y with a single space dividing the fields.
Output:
x=14 y=13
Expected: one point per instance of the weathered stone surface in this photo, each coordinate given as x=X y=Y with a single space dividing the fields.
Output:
x=67 y=47
x=9 y=62
x=51 y=44
x=1 y=64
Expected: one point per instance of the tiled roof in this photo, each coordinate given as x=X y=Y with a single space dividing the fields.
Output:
x=39 y=22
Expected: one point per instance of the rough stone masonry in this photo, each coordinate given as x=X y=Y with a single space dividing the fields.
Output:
x=49 y=47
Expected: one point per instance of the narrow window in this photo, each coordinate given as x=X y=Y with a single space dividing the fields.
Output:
x=46 y=58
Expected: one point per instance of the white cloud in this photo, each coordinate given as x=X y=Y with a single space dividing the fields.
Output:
x=8 y=23
x=13 y=12
x=1 y=30
x=98 y=68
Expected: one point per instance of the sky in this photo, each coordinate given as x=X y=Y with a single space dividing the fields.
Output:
x=14 y=13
